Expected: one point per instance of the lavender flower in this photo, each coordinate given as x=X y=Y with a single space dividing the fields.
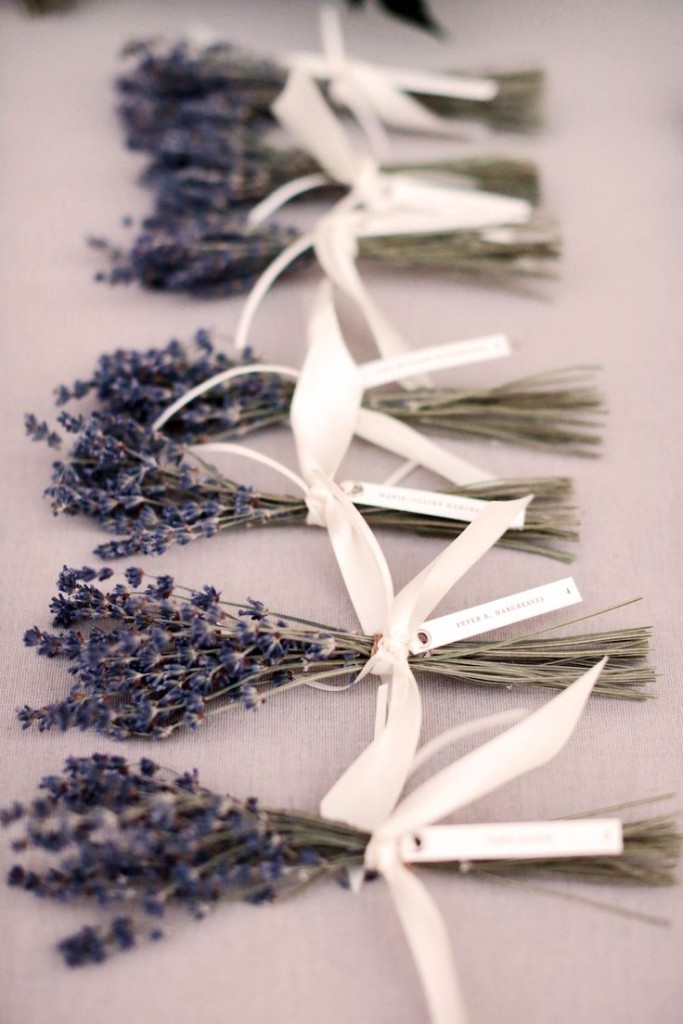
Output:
x=141 y=385
x=157 y=659
x=163 y=658
x=139 y=842
x=205 y=256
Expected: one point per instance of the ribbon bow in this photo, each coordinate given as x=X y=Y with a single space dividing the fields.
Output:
x=380 y=96
x=377 y=203
x=404 y=834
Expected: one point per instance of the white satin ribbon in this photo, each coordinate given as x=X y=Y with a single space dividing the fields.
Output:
x=333 y=385
x=527 y=745
x=377 y=204
x=378 y=96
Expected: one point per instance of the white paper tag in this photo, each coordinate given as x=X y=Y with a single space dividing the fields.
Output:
x=425 y=503
x=480 y=89
x=439 y=357
x=502 y=612
x=586 y=837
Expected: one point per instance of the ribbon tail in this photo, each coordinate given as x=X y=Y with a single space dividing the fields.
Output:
x=417 y=599
x=282 y=195
x=391 y=434
x=369 y=788
x=227 y=448
x=213 y=382
x=343 y=86
x=396 y=109
x=426 y=933
x=359 y=557
x=263 y=285
x=528 y=745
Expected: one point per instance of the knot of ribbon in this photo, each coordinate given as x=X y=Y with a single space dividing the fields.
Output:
x=389 y=651
x=316 y=498
x=383 y=855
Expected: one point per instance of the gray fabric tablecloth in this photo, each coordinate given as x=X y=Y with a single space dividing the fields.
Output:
x=612 y=165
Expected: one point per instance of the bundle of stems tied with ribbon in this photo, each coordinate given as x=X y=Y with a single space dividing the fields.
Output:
x=142 y=843
x=204 y=114
x=155 y=486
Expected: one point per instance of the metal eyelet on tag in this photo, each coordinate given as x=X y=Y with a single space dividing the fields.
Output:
x=423 y=637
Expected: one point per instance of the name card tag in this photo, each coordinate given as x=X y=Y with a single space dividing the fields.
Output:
x=419 y=502
x=437 y=357
x=590 y=837
x=502 y=612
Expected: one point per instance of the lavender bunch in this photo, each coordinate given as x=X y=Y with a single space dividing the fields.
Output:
x=548 y=410
x=204 y=170
x=152 y=492
x=243 y=86
x=141 y=842
x=134 y=838
x=218 y=255
x=207 y=180
x=163 y=657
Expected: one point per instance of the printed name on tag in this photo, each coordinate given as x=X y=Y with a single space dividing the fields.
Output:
x=589 y=837
x=502 y=612
x=438 y=357
x=426 y=503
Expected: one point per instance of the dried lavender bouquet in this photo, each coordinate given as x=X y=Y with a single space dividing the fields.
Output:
x=157 y=657
x=212 y=255
x=206 y=179
x=559 y=410
x=200 y=170
x=152 y=492
x=140 y=842
x=239 y=87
